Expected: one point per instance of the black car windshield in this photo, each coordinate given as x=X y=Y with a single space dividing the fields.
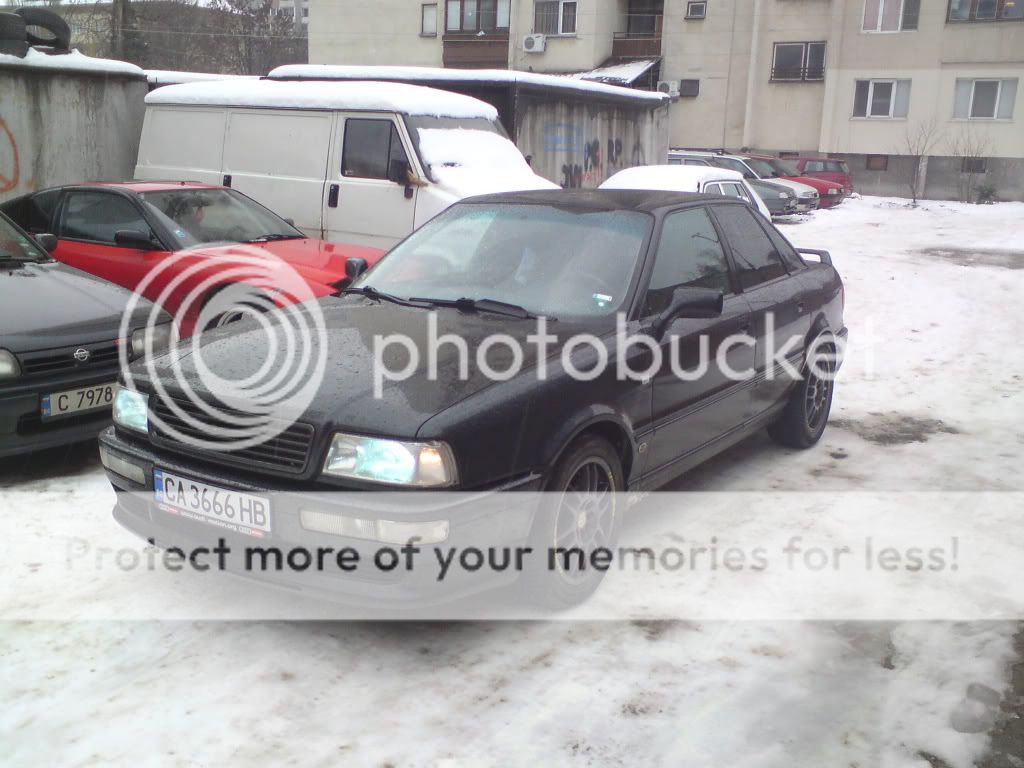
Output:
x=196 y=216
x=17 y=248
x=550 y=260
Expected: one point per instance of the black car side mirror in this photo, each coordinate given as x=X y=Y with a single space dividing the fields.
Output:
x=354 y=267
x=134 y=238
x=46 y=241
x=689 y=303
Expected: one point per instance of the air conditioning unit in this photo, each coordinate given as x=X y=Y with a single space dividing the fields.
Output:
x=671 y=87
x=534 y=43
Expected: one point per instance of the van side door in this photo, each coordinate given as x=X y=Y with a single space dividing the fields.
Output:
x=369 y=197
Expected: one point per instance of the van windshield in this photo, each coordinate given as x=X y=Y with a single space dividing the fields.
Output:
x=197 y=216
x=460 y=142
x=550 y=260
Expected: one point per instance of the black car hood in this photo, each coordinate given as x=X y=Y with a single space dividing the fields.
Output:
x=345 y=397
x=49 y=304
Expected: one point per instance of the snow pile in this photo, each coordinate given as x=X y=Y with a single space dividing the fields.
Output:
x=439 y=74
x=668 y=178
x=617 y=74
x=375 y=96
x=73 y=60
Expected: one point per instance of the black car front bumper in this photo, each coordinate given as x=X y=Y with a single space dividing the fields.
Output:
x=22 y=427
x=492 y=519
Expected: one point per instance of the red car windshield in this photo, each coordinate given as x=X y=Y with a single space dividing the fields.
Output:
x=198 y=217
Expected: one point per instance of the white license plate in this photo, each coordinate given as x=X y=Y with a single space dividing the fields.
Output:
x=77 y=400
x=237 y=511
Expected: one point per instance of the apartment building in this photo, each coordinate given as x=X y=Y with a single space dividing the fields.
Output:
x=864 y=80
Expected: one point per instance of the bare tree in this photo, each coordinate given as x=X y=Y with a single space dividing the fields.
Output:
x=971 y=150
x=918 y=141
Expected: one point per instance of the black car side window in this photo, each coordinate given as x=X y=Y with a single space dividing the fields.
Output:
x=757 y=261
x=788 y=253
x=370 y=148
x=689 y=254
x=97 y=216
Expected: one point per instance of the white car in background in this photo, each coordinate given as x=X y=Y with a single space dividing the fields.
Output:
x=688 y=178
x=807 y=198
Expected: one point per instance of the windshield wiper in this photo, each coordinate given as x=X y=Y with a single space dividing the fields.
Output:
x=372 y=293
x=269 y=238
x=481 y=305
x=17 y=261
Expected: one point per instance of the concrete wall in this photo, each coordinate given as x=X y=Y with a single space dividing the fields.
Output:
x=596 y=21
x=580 y=144
x=63 y=127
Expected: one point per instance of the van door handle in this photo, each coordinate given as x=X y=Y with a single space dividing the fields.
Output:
x=332 y=195
x=226 y=181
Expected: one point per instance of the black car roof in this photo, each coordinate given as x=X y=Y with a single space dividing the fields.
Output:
x=600 y=199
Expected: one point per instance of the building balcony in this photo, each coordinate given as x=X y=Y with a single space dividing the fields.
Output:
x=637 y=45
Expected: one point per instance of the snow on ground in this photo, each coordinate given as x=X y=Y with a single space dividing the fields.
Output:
x=939 y=407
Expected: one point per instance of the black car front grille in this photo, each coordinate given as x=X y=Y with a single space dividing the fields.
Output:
x=54 y=362
x=288 y=452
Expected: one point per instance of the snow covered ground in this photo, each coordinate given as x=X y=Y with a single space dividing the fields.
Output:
x=930 y=399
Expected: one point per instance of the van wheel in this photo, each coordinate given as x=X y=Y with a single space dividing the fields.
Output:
x=581 y=511
x=803 y=421
x=45 y=28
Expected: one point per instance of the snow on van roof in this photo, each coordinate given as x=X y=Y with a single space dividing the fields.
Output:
x=440 y=74
x=668 y=178
x=171 y=77
x=70 y=61
x=383 y=97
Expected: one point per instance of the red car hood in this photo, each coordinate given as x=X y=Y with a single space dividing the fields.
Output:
x=819 y=184
x=318 y=261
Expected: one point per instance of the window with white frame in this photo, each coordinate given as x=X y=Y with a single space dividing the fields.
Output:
x=884 y=99
x=428 y=20
x=890 y=15
x=798 y=61
x=554 y=17
x=985 y=99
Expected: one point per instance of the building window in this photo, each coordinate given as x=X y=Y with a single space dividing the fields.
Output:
x=985 y=10
x=891 y=15
x=554 y=17
x=428 y=20
x=876 y=163
x=974 y=165
x=881 y=98
x=985 y=99
x=477 y=15
x=696 y=10
x=799 y=61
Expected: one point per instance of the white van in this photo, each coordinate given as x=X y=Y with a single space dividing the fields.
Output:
x=688 y=178
x=353 y=162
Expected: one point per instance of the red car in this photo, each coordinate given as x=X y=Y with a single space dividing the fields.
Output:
x=827 y=168
x=201 y=239
x=829 y=193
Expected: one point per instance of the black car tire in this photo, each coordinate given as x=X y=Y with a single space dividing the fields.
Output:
x=802 y=422
x=41 y=18
x=590 y=458
x=12 y=27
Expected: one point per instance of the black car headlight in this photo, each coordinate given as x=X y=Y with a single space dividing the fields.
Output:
x=152 y=340
x=9 y=367
x=393 y=462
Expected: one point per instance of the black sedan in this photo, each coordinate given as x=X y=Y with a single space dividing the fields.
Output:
x=59 y=345
x=438 y=379
x=779 y=200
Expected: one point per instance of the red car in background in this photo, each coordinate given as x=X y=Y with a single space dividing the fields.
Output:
x=829 y=193
x=197 y=237
x=827 y=168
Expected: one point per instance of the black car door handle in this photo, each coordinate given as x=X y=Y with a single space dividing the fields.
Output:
x=332 y=196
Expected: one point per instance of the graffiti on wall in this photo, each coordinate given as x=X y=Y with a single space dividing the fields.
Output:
x=589 y=161
x=10 y=167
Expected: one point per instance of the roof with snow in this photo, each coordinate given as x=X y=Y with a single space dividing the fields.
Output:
x=467 y=76
x=73 y=61
x=669 y=178
x=624 y=74
x=362 y=96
